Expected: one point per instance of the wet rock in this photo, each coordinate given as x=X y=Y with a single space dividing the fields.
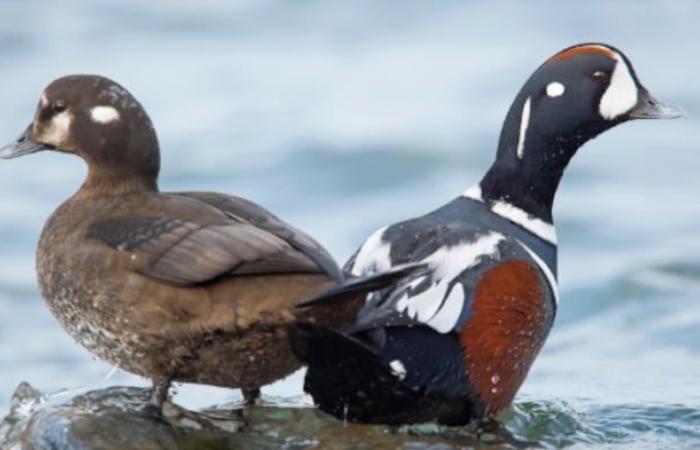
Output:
x=113 y=418
x=121 y=418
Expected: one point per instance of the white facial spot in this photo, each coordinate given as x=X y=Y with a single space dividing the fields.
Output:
x=524 y=123
x=58 y=130
x=621 y=94
x=44 y=100
x=104 y=114
x=555 y=89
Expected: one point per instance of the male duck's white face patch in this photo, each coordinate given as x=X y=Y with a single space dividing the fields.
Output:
x=555 y=89
x=104 y=114
x=58 y=130
x=621 y=94
x=524 y=123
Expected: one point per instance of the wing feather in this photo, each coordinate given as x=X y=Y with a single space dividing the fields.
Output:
x=184 y=252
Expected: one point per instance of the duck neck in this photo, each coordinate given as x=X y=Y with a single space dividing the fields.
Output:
x=101 y=182
x=524 y=187
x=530 y=163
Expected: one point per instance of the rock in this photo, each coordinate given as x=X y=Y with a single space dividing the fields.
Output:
x=112 y=418
x=121 y=418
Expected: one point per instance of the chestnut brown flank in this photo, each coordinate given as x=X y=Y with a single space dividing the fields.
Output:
x=505 y=332
x=582 y=50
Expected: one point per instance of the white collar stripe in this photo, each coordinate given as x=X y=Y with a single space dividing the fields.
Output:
x=518 y=216
x=551 y=279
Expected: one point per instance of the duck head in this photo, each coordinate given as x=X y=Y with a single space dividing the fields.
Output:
x=574 y=96
x=101 y=122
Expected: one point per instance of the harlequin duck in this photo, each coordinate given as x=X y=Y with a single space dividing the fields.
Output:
x=453 y=344
x=193 y=286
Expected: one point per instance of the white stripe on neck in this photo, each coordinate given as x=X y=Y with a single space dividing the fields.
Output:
x=547 y=272
x=536 y=226
x=524 y=123
x=520 y=217
x=474 y=193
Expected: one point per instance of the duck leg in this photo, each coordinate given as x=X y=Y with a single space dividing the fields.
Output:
x=159 y=393
x=491 y=431
x=250 y=395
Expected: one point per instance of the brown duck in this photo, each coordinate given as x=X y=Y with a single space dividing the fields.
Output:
x=195 y=286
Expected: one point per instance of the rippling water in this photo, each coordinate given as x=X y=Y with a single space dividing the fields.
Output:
x=345 y=116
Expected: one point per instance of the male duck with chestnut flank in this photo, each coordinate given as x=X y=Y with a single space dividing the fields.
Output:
x=455 y=343
x=193 y=287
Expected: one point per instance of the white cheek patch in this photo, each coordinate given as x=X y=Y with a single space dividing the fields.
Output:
x=104 y=114
x=524 y=123
x=555 y=89
x=59 y=129
x=621 y=94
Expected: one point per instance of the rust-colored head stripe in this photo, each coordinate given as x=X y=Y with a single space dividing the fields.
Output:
x=583 y=50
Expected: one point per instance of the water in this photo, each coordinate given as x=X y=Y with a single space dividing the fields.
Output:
x=342 y=117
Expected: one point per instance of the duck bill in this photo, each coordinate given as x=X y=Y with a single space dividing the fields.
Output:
x=648 y=107
x=24 y=145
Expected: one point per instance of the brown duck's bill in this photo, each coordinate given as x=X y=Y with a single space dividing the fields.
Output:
x=24 y=145
x=650 y=108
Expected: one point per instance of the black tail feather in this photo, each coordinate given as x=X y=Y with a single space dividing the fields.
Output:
x=349 y=380
x=354 y=287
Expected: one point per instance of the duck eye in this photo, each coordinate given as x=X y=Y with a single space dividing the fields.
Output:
x=58 y=106
x=599 y=75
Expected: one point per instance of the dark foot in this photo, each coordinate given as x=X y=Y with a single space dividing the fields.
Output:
x=491 y=431
x=250 y=395
x=159 y=393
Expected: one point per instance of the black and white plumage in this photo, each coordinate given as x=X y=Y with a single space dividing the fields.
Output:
x=454 y=339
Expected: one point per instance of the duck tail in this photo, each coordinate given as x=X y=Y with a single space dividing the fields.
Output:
x=344 y=374
x=361 y=286
x=339 y=305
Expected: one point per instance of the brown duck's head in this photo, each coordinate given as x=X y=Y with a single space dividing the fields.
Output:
x=98 y=120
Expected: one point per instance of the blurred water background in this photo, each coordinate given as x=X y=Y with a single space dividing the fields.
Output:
x=344 y=116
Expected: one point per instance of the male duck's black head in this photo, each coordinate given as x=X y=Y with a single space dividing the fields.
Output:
x=575 y=95
x=100 y=121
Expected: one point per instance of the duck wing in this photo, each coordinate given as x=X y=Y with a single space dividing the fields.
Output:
x=188 y=243
x=242 y=209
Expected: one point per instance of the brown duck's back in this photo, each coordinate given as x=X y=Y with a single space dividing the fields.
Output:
x=168 y=285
